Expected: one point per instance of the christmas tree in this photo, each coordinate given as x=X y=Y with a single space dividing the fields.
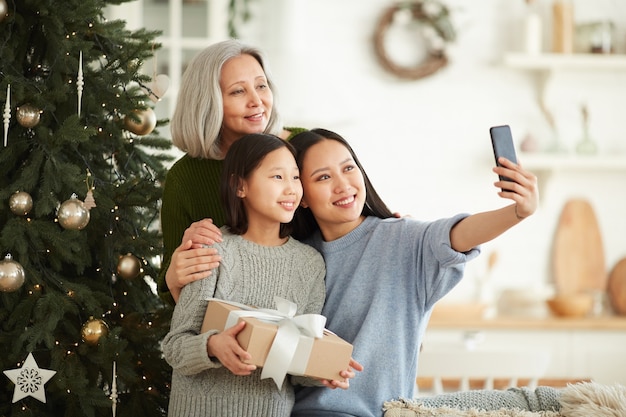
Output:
x=81 y=172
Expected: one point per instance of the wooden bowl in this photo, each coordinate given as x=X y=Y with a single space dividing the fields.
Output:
x=571 y=305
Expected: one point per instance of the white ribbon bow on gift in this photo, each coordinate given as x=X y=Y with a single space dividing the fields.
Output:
x=293 y=342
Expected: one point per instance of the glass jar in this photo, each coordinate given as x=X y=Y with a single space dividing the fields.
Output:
x=595 y=37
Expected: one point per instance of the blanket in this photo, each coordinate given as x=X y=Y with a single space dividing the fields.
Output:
x=583 y=399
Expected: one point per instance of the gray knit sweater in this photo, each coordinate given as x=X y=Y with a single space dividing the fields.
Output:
x=250 y=274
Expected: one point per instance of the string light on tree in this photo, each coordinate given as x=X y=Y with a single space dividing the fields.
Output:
x=72 y=214
x=12 y=274
x=35 y=290
x=20 y=203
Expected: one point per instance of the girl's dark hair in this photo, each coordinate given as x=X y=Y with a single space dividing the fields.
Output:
x=304 y=224
x=243 y=157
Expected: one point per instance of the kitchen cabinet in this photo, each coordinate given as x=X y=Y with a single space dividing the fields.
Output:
x=589 y=348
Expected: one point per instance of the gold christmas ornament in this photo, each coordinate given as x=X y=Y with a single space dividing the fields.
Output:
x=145 y=124
x=93 y=330
x=4 y=10
x=72 y=214
x=20 y=203
x=28 y=115
x=12 y=274
x=128 y=266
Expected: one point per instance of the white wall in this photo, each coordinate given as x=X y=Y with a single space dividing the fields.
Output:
x=425 y=143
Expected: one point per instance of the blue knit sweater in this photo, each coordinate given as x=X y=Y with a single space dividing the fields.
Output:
x=382 y=280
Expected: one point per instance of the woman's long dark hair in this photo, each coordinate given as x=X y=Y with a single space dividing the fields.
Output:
x=304 y=224
x=243 y=157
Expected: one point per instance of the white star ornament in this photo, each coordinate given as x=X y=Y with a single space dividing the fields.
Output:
x=29 y=380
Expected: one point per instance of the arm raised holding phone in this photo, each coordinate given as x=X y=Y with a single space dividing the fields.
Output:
x=515 y=184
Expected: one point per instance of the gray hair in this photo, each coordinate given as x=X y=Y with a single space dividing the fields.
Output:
x=197 y=120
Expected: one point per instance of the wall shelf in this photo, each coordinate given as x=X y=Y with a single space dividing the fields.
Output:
x=570 y=161
x=551 y=61
x=544 y=165
x=545 y=65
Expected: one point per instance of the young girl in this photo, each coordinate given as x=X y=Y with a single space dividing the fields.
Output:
x=384 y=274
x=260 y=190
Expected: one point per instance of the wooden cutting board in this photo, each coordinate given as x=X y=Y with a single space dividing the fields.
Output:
x=617 y=287
x=578 y=254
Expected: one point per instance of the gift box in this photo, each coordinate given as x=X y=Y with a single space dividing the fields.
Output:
x=322 y=357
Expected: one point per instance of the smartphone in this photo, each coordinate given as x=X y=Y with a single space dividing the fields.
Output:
x=502 y=143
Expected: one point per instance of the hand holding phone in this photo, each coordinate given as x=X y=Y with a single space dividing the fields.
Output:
x=502 y=143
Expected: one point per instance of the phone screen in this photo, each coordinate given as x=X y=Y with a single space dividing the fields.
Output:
x=502 y=143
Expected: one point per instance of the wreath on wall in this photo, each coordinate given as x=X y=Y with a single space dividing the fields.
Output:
x=433 y=18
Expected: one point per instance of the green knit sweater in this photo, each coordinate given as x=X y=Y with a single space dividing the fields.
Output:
x=191 y=193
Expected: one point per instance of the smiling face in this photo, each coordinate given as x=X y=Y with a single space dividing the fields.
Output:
x=247 y=98
x=272 y=192
x=334 y=188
